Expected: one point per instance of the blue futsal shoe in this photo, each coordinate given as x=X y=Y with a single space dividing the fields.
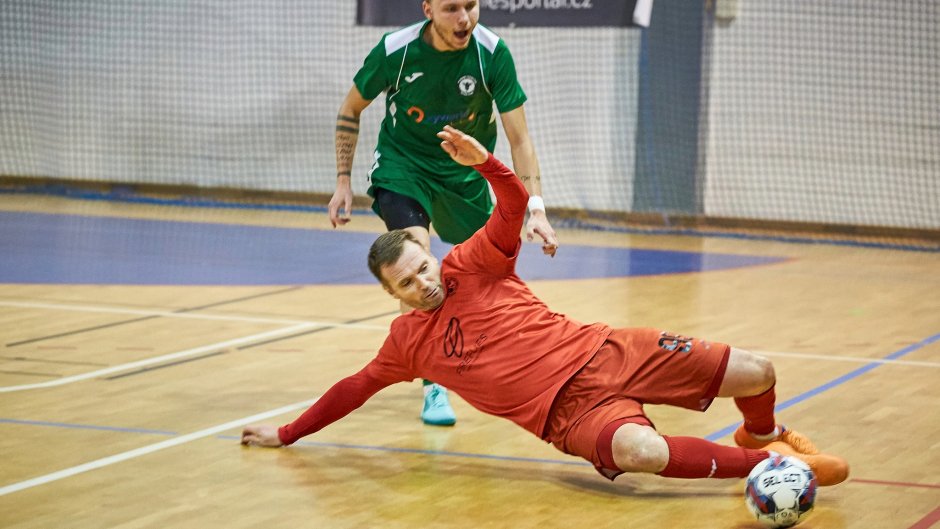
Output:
x=437 y=410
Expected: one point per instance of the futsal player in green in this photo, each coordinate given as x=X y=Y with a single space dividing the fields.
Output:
x=446 y=70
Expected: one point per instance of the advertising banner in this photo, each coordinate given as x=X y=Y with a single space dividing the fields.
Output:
x=518 y=13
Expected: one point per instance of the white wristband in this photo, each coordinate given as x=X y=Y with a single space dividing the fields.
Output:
x=536 y=202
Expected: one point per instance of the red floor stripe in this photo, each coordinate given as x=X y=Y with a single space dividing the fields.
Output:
x=928 y=521
x=896 y=483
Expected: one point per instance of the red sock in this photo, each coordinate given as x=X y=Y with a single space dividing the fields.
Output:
x=758 y=412
x=692 y=457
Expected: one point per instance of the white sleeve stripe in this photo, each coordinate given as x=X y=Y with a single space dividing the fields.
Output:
x=486 y=37
x=401 y=38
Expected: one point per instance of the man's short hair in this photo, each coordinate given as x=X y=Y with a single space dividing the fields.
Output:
x=387 y=249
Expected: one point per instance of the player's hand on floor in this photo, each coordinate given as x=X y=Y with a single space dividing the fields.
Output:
x=261 y=435
x=538 y=225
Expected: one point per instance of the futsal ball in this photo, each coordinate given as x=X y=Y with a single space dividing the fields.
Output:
x=780 y=491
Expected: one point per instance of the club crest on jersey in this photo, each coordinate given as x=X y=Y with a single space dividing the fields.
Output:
x=467 y=85
x=451 y=285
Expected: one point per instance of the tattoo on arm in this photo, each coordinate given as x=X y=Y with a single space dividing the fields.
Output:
x=526 y=179
x=348 y=119
x=346 y=138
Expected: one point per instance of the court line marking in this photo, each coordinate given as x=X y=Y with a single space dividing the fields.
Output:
x=416 y=451
x=157 y=359
x=184 y=315
x=142 y=312
x=872 y=364
x=110 y=460
x=854 y=359
x=74 y=426
x=521 y=459
x=927 y=521
x=149 y=449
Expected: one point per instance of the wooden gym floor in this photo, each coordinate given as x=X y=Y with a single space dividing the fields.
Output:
x=121 y=403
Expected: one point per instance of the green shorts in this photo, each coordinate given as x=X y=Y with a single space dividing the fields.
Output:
x=457 y=203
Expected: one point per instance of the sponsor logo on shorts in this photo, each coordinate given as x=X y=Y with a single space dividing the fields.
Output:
x=674 y=342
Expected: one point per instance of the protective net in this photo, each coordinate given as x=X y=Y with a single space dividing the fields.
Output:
x=819 y=113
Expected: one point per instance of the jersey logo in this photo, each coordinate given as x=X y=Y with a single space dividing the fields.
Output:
x=451 y=284
x=453 y=339
x=417 y=112
x=467 y=85
x=412 y=77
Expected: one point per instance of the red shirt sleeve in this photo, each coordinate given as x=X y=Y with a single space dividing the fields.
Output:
x=505 y=223
x=341 y=399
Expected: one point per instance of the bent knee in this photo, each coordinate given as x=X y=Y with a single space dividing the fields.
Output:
x=747 y=374
x=761 y=369
x=639 y=448
x=764 y=373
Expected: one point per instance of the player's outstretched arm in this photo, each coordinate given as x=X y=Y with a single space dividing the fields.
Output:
x=464 y=149
x=261 y=435
x=338 y=401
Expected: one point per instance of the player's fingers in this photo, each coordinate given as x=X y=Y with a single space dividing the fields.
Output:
x=549 y=241
x=544 y=234
x=547 y=234
x=332 y=211
x=248 y=436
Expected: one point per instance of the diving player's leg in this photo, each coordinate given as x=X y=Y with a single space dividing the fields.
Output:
x=750 y=380
x=593 y=417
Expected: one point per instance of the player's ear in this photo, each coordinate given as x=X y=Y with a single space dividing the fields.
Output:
x=388 y=289
x=426 y=6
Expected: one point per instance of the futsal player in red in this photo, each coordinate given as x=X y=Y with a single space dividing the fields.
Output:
x=478 y=330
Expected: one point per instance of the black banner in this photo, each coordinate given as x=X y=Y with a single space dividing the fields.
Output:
x=518 y=13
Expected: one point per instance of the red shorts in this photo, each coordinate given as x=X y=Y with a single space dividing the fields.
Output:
x=634 y=367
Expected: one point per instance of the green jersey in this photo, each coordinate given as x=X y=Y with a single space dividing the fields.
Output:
x=427 y=89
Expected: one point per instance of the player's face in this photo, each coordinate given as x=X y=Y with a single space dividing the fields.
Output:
x=415 y=278
x=452 y=22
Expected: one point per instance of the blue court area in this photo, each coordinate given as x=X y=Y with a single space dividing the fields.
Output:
x=74 y=249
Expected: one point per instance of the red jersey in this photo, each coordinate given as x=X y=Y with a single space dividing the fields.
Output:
x=491 y=341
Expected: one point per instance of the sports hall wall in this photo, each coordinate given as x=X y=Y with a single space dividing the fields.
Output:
x=818 y=112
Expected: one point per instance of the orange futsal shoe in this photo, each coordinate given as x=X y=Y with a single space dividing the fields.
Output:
x=798 y=441
x=829 y=470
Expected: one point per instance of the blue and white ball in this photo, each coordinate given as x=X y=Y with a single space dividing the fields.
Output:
x=780 y=491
